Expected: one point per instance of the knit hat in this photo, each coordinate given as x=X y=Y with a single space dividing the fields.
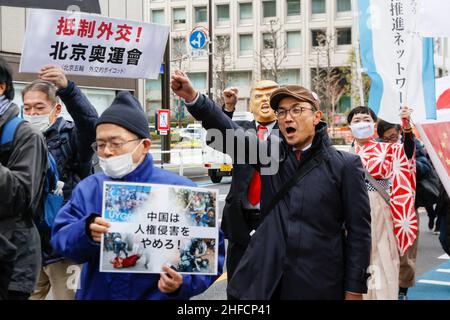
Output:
x=127 y=112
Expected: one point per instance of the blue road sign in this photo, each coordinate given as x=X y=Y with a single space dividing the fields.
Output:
x=198 y=39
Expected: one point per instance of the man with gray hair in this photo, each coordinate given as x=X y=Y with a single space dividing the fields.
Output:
x=69 y=144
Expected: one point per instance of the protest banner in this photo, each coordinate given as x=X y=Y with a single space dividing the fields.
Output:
x=436 y=138
x=443 y=98
x=154 y=225
x=93 y=45
x=398 y=60
x=91 y=6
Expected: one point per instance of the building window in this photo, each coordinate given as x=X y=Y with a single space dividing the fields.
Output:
x=291 y=76
x=179 y=17
x=158 y=16
x=293 y=40
x=239 y=79
x=344 y=5
x=245 y=44
x=198 y=80
x=178 y=48
x=268 y=41
x=223 y=13
x=293 y=8
x=344 y=36
x=245 y=11
x=223 y=44
x=269 y=9
x=345 y=104
x=318 y=6
x=201 y=14
x=317 y=36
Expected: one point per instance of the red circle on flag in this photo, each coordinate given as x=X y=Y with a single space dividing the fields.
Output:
x=444 y=100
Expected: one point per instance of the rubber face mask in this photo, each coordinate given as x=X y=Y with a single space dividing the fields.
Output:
x=363 y=130
x=119 y=166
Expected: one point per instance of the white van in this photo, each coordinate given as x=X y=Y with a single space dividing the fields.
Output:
x=219 y=164
x=193 y=131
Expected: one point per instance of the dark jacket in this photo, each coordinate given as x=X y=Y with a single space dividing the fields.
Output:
x=7 y=257
x=71 y=238
x=234 y=224
x=423 y=165
x=70 y=144
x=300 y=249
x=22 y=169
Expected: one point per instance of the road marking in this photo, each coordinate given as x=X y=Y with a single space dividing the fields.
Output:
x=443 y=270
x=440 y=283
x=444 y=257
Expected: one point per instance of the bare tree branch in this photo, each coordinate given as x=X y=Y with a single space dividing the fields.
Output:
x=273 y=54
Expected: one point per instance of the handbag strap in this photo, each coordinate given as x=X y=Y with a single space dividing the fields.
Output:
x=301 y=172
x=386 y=197
x=378 y=187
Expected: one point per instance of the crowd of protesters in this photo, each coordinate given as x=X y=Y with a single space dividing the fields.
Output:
x=323 y=225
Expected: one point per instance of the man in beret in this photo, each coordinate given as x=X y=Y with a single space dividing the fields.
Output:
x=314 y=240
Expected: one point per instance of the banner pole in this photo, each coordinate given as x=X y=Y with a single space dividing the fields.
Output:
x=356 y=36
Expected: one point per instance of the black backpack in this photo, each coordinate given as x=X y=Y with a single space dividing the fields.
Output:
x=427 y=190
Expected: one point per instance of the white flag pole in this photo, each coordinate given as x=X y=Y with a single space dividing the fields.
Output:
x=357 y=51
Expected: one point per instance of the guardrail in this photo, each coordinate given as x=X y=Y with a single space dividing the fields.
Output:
x=180 y=155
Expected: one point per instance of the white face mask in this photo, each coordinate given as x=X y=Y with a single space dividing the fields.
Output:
x=119 y=166
x=363 y=130
x=40 y=122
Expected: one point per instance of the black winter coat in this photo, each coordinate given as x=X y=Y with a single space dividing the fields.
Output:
x=316 y=242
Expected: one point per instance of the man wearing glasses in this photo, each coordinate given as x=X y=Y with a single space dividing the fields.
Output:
x=314 y=241
x=122 y=144
x=68 y=142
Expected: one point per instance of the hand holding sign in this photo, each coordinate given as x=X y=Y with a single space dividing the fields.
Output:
x=98 y=228
x=405 y=115
x=54 y=75
x=170 y=280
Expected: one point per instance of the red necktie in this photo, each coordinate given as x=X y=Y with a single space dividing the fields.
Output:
x=254 y=189
x=298 y=154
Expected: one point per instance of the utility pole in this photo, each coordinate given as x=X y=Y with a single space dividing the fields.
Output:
x=210 y=51
x=165 y=102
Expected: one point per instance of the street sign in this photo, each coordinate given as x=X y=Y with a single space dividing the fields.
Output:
x=198 y=38
x=163 y=121
x=199 y=53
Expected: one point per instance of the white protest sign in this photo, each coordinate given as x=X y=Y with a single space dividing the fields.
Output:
x=399 y=61
x=153 y=225
x=93 y=45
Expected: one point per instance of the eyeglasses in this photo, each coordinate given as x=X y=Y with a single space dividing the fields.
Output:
x=112 y=146
x=295 y=112
x=391 y=138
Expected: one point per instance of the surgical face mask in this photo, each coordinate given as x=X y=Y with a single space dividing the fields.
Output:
x=40 y=122
x=363 y=130
x=119 y=166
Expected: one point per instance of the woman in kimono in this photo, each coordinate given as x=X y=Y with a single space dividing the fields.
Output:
x=390 y=181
